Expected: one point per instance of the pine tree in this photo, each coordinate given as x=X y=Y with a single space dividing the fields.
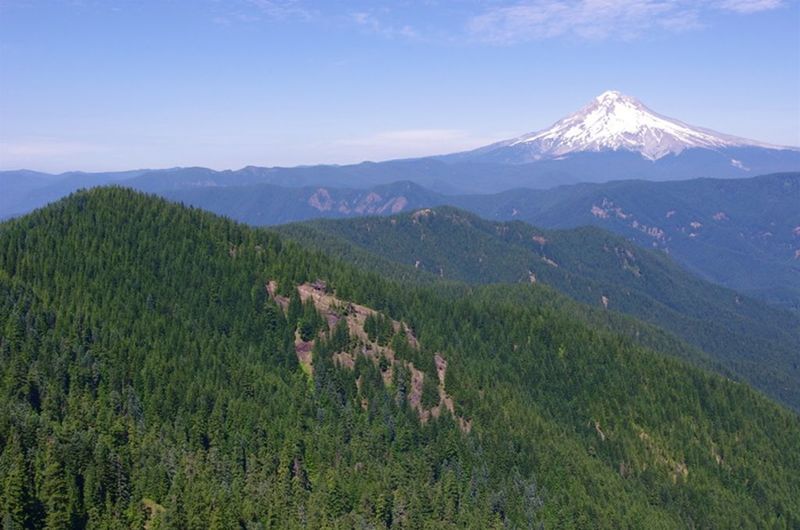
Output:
x=338 y=503
x=54 y=494
x=295 y=310
x=384 y=509
x=16 y=494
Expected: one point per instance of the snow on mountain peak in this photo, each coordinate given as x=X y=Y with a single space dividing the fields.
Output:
x=613 y=95
x=614 y=121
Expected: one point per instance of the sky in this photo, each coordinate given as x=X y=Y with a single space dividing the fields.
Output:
x=110 y=85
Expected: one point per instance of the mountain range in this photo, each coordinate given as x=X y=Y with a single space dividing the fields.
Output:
x=614 y=137
x=748 y=338
x=740 y=233
x=162 y=367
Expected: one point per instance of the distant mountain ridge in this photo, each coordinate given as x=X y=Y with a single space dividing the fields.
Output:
x=740 y=233
x=614 y=137
x=267 y=204
x=449 y=174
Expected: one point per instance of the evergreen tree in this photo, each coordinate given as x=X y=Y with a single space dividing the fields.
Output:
x=17 y=501
x=54 y=493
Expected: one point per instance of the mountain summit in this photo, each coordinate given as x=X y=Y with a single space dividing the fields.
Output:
x=613 y=122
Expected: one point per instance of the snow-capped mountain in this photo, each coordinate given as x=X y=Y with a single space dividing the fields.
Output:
x=613 y=122
x=616 y=121
x=614 y=137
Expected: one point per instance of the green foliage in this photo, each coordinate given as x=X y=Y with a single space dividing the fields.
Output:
x=17 y=502
x=145 y=383
x=54 y=494
x=379 y=328
x=745 y=337
x=430 y=391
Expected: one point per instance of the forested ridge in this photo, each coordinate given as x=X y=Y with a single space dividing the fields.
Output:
x=149 y=379
x=759 y=343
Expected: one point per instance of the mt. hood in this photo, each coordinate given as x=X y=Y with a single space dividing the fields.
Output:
x=612 y=122
x=615 y=137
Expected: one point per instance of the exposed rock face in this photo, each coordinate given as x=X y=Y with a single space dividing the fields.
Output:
x=370 y=204
x=321 y=200
x=333 y=310
x=608 y=210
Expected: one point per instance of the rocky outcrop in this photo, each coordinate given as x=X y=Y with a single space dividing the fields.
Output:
x=333 y=309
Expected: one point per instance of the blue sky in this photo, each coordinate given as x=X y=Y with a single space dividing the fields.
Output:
x=103 y=85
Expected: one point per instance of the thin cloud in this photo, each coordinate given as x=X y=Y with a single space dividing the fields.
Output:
x=375 y=25
x=283 y=8
x=46 y=154
x=377 y=19
x=228 y=12
x=750 y=6
x=45 y=148
x=599 y=19
x=412 y=142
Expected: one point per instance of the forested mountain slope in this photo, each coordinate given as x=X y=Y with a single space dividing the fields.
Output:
x=758 y=342
x=165 y=368
x=740 y=233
